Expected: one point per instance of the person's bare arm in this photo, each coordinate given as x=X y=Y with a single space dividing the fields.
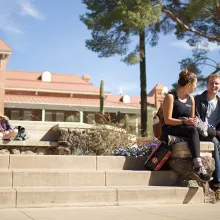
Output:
x=192 y=114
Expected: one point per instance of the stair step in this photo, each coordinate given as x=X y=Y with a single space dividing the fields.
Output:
x=7 y=197
x=56 y=178
x=52 y=162
x=65 y=196
x=159 y=195
x=5 y=178
x=99 y=196
x=141 y=178
x=67 y=177
x=4 y=161
x=72 y=162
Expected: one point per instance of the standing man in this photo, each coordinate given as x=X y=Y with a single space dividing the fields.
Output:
x=208 y=108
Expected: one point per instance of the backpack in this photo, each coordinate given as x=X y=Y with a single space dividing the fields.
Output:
x=159 y=155
x=158 y=119
x=22 y=134
x=158 y=122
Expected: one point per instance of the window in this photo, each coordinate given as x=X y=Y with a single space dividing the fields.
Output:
x=15 y=114
x=62 y=116
x=24 y=114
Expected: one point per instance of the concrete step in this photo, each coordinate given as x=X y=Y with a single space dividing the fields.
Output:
x=46 y=131
x=29 y=143
x=72 y=162
x=4 y=161
x=7 y=197
x=159 y=195
x=5 y=178
x=141 y=178
x=99 y=196
x=58 y=178
x=52 y=162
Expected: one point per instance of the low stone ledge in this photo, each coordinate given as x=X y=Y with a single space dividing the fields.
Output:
x=32 y=147
x=181 y=149
x=181 y=162
x=29 y=143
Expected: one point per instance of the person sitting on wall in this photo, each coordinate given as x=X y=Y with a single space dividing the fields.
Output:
x=6 y=129
x=208 y=109
x=180 y=121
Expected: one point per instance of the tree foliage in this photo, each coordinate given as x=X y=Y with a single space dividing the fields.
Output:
x=197 y=21
x=113 y=23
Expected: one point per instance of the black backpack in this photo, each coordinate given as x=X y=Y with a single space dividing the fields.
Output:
x=22 y=134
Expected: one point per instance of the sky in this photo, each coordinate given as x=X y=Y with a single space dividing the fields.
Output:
x=48 y=35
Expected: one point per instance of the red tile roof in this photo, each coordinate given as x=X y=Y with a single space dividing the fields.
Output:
x=60 y=82
x=4 y=47
x=65 y=101
x=133 y=99
x=69 y=83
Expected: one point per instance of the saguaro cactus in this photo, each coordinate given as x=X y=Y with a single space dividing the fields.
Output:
x=126 y=122
x=102 y=97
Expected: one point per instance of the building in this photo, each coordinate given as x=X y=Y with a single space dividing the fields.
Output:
x=46 y=96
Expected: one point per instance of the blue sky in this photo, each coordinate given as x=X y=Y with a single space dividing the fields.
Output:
x=48 y=35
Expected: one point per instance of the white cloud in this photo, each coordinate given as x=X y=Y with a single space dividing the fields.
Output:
x=7 y=25
x=9 y=11
x=206 y=45
x=28 y=9
x=181 y=44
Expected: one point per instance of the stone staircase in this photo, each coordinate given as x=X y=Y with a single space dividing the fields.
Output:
x=50 y=180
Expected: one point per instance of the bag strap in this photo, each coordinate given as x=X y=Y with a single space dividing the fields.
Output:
x=174 y=93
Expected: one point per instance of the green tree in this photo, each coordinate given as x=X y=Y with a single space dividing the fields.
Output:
x=113 y=24
x=197 y=21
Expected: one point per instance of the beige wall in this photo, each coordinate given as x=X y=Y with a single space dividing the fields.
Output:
x=3 y=62
x=159 y=97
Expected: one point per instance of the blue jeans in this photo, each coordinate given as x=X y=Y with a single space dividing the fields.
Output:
x=216 y=156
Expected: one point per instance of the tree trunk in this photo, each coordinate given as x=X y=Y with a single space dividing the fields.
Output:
x=143 y=85
x=102 y=98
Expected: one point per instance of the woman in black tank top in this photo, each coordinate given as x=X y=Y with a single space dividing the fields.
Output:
x=180 y=121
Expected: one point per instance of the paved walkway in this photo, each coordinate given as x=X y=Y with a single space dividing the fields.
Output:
x=150 y=212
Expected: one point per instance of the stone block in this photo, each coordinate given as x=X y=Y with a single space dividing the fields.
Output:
x=7 y=197
x=159 y=195
x=5 y=178
x=4 y=161
x=181 y=149
x=72 y=196
x=57 y=178
x=120 y=163
x=52 y=162
x=141 y=178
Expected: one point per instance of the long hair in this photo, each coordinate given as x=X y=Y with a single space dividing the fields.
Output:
x=3 y=116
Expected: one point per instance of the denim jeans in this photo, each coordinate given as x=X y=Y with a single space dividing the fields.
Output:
x=216 y=156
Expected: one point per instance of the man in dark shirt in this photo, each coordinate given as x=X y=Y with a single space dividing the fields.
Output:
x=208 y=108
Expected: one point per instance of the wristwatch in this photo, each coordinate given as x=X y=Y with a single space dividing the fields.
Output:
x=183 y=121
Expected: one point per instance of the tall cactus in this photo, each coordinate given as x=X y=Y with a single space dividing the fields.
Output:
x=102 y=97
x=126 y=122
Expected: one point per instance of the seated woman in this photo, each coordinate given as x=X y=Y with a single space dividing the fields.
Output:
x=6 y=130
x=179 y=119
